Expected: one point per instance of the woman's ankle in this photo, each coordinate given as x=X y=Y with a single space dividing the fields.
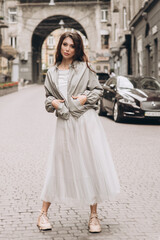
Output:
x=44 y=210
x=93 y=208
x=45 y=207
x=94 y=212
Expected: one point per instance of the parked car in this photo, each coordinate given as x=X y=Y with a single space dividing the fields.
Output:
x=102 y=77
x=130 y=97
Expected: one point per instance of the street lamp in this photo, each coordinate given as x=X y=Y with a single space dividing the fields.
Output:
x=52 y=3
x=61 y=23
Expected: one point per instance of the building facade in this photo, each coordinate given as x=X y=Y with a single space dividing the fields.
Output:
x=111 y=28
x=7 y=52
x=31 y=22
x=145 y=28
x=122 y=12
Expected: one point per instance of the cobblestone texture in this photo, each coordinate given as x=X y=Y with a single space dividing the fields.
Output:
x=25 y=134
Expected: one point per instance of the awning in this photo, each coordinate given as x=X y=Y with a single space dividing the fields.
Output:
x=8 y=52
x=3 y=25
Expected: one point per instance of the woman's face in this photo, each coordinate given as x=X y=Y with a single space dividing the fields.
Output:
x=68 y=48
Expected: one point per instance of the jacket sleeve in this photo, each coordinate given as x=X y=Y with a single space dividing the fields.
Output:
x=94 y=89
x=62 y=111
x=49 y=97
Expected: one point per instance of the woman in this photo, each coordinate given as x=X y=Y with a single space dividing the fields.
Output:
x=80 y=165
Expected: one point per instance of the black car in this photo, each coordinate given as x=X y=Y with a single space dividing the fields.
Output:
x=102 y=77
x=130 y=97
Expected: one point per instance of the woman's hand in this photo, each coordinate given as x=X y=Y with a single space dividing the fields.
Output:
x=81 y=98
x=56 y=103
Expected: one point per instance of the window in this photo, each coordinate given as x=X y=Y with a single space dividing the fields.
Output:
x=50 y=59
x=156 y=58
x=105 y=69
x=98 y=68
x=13 y=41
x=50 y=41
x=104 y=15
x=115 y=33
x=147 y=30
x=124 y=18
x=111 y=81
x=12 y=15
x=104 y=41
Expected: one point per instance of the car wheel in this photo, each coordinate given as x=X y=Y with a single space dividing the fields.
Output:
x=116 y=114
x=101 y=111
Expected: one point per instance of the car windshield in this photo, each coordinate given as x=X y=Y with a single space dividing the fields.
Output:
x=131 y=83
x=149 y=84
x=125 y=82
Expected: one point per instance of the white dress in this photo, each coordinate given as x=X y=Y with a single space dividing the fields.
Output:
x=81 y=170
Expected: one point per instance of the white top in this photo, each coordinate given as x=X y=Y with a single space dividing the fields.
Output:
x=63 y=82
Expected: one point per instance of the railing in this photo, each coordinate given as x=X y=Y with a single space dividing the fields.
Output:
x=61 y=1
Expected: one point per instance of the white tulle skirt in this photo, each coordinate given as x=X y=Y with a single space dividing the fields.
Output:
x=80 y=166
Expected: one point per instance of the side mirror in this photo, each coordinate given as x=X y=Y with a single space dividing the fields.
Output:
x=112 y=86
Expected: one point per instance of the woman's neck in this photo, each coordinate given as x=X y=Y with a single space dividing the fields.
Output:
x=64 y=64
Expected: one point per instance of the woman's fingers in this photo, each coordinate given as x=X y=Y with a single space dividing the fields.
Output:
x=75 y=97
x=81 y=98
x=56 y=103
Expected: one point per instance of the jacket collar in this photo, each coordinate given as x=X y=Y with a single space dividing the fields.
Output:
x=72 y=65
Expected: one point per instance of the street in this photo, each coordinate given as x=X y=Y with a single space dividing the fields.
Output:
x=25 y=135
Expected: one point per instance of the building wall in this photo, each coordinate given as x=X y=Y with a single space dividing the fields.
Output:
x=119 y=59
x=146 y=43
x=10 y=35
x=112 y=56
x=30 y=15
x=136 y=6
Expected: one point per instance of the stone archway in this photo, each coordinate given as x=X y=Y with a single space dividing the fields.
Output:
x=42 y=30
x=37 y=21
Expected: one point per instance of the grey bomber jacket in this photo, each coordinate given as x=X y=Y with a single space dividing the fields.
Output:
x=81 y=81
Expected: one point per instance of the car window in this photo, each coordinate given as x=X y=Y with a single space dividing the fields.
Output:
x=124 y=82
x=111 y=81
x=150 y=84
x=114 y=81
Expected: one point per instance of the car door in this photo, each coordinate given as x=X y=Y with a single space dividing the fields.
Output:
x=109 y=94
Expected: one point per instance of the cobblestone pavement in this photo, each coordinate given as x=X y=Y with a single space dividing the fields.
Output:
x=25 y=134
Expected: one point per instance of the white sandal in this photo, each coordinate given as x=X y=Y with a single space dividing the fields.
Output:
x=94 y=225
x=43 y=222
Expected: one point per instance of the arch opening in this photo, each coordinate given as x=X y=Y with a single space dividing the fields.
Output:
x=43 y=29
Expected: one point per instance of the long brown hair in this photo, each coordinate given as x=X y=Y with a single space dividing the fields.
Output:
x=79 y=48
